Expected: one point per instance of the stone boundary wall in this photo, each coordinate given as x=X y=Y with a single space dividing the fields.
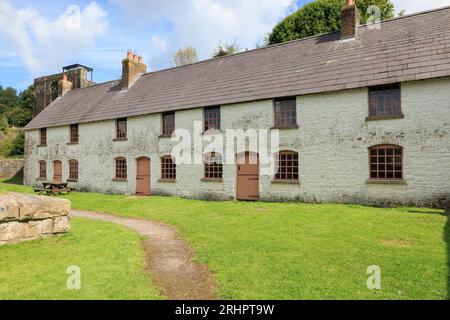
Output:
x=9 y=168
x=28 y=217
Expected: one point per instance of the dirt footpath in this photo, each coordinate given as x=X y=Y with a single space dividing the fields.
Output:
x=169 y=259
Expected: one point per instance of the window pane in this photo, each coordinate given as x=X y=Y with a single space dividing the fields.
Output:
x=212 y=118
x=285 y=112
x=384 y=100
x=74 y=133
x=121 y=128
x=168 y=123
x=168 y=168
x=73 y=170
x=385 y=165
x=121 y=168
x=42 y=169
x=287 y=166
x=43 y=136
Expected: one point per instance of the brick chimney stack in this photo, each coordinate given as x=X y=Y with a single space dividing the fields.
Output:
x=350 y=18
x=64 y=85
x=132 y=68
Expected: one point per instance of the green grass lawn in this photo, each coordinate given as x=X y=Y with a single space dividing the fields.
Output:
x=300 y=251
x=109 y=256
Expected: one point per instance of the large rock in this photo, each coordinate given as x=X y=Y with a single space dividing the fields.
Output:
x=41 y=207
x=11 y=230
x=27 y=217
x=60 y=225
x=9 y=209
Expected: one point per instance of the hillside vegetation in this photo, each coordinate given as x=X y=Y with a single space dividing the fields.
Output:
x=11 y=143
x=15 y=112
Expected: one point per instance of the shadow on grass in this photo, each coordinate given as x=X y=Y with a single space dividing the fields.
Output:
x=17 y=179
x=429 y=212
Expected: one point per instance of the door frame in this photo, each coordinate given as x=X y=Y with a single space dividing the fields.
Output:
x=150 y=173
x=237 y=174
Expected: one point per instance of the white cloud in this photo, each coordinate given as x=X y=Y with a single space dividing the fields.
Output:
x=44 y=45
x=160 y=43
x=202 y=23
x=413 y=6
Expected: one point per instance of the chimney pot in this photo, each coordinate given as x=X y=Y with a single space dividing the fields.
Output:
x=140 y=59
x=64 y=76
x=129 y=54
x=135 y=57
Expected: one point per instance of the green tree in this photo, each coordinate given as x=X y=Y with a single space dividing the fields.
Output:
x=17 y=109
x=4 y=123
x=185 y=56
x=18 y=117
x=26 y=98
x=8 y=96
x=17 y=145
x=322 y=16
x=226 y=49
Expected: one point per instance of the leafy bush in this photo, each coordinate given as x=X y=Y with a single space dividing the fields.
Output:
x=322 y=16
x=12 y=143
x=3 y=123
x=16 y=108
x=226 y=49
x=18 y=117
x=17 y=145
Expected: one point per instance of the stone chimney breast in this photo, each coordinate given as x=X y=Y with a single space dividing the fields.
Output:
x=350 y=18
x=64 y=85
x=132 y=68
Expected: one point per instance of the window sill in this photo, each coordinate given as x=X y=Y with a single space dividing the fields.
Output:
x=41 y=145
x=285 y=182
x=211 y=180
x=120 y=180
x=162 y=136
x=212 y=132
x=383 y=181
x=167 y=180
x=120 y=139
x=385 y=117
x=72 y=143
x=293 y=127
x=41 y=179
x=72 y=180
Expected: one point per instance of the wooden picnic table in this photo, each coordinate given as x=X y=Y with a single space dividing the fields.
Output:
x=53 y=187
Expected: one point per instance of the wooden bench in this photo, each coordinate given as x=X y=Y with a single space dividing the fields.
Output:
x=51 y=188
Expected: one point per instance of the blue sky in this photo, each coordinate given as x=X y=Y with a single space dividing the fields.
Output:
x=39 y=38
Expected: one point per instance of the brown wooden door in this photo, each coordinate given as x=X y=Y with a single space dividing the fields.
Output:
x=143 y=185
x=57 y=171
x=247 y=177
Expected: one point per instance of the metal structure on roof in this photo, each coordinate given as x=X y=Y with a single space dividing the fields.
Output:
x=79 y=66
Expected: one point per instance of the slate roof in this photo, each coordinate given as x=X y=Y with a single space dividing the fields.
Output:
x=404 y=49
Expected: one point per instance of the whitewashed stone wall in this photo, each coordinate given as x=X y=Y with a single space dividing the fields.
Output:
x=332 y=141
